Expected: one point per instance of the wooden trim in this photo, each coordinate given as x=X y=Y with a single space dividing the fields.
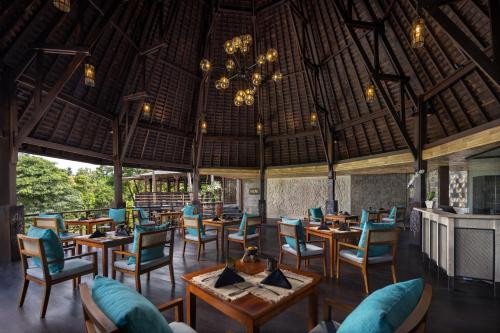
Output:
x=243 y=173
x=66 y=148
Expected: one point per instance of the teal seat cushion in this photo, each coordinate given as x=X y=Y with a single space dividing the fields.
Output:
x=316 y=214
x=385 y=309
x=375 y=250
x=118 y=215
x=251 y=230
x=364 y=218
x=300 y=234
x=60 y=221
x=52 y=246
x=193 y=231
x=150 y=253
x=188 y=210
x=127 y=309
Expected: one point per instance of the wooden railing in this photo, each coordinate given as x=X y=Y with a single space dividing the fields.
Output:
x=67 y=214
x=169 y=200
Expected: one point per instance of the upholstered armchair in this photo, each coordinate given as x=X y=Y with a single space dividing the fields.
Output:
x=195 y=233
x=249 y=231
x=54 y=223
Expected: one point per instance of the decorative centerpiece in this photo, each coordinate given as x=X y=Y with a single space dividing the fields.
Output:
x=250 y=254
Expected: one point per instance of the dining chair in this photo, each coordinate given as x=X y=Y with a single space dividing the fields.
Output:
x=359 y=256
x=67 y=238
x=74 y=268
x=141 y=217
x=398 y=216
x=195 y=233
x=292 y=242
x=250 y=233
x=96 y=320
x=315 y=216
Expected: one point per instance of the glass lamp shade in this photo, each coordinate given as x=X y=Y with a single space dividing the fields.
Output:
x=62 y=5
x=313 y=119
x=241 y=93
x=256 y=78
x=236 y=41
x=224 y=82
x=261 y=59
x=205 y=65
x=229 y=47
x=417 y=33
x=260 y=128
x=230 y=65
x=277 y=76
x=238 y=101
x=370 y=93
x=249 y=99
x=89 y=74
x=244 y=49
x=250 y=91
x=272 y=55
x=203 y=126
x=146 y=109
x=247 y=39
x=218 y=85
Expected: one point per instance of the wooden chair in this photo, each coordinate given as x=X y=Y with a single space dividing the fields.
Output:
x=97 y=322
x=347 y=253
x=313 y=251
x=252 y=222
x=199 y=239
x=139 y=220
x=414 y=323
x=74 y=269
x=146 y=240
x=400 y=218
x=310 y=220
x=67 y=240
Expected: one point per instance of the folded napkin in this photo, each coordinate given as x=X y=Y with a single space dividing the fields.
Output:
x=323 y=226
x=274 y=294
x=97 y=234
x=83 y=219
x=228 y=277
x=277 y=279
x=229 y=293
x=215 y=219
x=121 y=232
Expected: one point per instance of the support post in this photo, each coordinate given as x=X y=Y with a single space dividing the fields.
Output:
x=262 y=174
x=444 y=185
x=332 y=205
x=117 y=167
x=420 y=164
x=11 y=215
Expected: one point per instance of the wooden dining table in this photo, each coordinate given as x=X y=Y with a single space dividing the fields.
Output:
x=332 y=235
x=251 y=311
x=349 y=219
x=221 y=225
x=89 y=223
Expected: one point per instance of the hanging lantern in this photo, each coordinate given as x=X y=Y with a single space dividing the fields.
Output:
x=205 y=65
x=146 y=110
x=260 y=128
x=261 y=59
x=256 y=78
x=271 y=55
x=89 y=74
x=277 y=76
x=230 y=65
x=249 y=99
x=417 y=33
x=313 y=119
x=224 y=82
x=229 y=47
x=203 y=126
x=370 y=93
x=62 y=5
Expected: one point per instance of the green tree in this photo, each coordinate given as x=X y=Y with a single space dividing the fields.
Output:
x=42 y=186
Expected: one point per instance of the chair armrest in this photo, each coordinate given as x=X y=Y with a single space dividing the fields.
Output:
x=81 y=255
x=317 y=241
x=232 y=229
x=341 y=244
x=124 y=253
x=177 y=304
x=212 y=230
x=329 y=304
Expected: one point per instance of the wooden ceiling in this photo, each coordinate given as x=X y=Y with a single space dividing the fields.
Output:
x=156 y=47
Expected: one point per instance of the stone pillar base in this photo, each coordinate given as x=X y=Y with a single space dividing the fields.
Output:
x=262 y=210
x=332 y=206
x=11 y=224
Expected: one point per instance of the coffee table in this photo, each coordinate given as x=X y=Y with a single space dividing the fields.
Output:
x=251 y=311
x=332 y=236
x=103 y=243
x=222 y=225
x=90 y=223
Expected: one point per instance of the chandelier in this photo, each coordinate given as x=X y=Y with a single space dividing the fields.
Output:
x=235 y=69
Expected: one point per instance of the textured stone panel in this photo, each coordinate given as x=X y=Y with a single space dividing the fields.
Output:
x=250 y=201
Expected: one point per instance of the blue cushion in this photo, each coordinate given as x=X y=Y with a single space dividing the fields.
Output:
x=118 y=215
x=143 y=215
x=385 y=309
x=364 y=218
x=188 y=210
x=127 y=309
x=375 y=250
x=392 y=214
x=60 y=221
x=52 y=246
x=316 y=214
x=251 y=230
x=150 y=253
x=300 y=234
x=193 y=231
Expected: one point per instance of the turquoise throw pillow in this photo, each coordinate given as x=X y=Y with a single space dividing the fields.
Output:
x=300 y=234
x=316 y=214
x=52 y=246
x=127 y=309
x=385 y=309
x=193 y=231
x=60 y=221
x=188 y=210
x=251 y=230
x=118 y=215
x=375 y=250
x=150 y=253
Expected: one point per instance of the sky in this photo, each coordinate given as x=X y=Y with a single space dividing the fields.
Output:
x=69 y=164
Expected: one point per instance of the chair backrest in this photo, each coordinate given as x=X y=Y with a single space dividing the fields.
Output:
x=373 y=216
x=32 y=247
x=288 y=230
x=95 y=320
x=416 y=321
x=383 y=237
x=191 y=222
x=400 y=214
x=47 y=223
x=155 y=238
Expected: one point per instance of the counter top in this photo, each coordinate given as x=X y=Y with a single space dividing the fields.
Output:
x=460 y=216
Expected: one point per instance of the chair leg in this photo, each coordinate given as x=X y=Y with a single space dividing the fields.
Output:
x=171 y=270
x=79 y=280
x=149 y=276
x=217 y=246
x=74 y=283
x=298 y=263
x=364 y=272
x=199 y=251
x=45 y=301
x=113 y=273
x=23 y=292
x=337 y=274
x=280 y=259
x=324 y=267
x=138 y=283
x=394 y=276
x=184 y=249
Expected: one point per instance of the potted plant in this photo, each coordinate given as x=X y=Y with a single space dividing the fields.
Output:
x=430 y=197
x=214 y=190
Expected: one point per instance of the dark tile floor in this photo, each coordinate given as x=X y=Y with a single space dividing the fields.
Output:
x=471 y=308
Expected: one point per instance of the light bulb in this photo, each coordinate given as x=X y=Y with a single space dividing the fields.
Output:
x=261 y=59
x=205 y=65
x=237 y=42
x=249 y=100
x=271 y=55
x=370 y=93
x=229 y=47
x=230 y=65
x=277 y=76
x=224 y=82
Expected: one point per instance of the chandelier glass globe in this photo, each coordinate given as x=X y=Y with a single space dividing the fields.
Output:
x=272 y=55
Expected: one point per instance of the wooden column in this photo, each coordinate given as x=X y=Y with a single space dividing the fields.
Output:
x=444 y=185
x=262 y=174
x=9 y=212
x=117 y=167
x=332 y=205
x=420 y=164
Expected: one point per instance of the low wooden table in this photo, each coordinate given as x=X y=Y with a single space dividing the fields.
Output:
x=332 y=236
x=342 y=218
x=221 y=224
x=251 y=311
x=103 y=243
x=90 y=223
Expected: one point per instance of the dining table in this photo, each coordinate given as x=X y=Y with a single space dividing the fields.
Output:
x=342 y=218
x=89 y=223
x=250 y=310
x=221 y=224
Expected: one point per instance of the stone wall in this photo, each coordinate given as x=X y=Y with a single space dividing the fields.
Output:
x=250 y=201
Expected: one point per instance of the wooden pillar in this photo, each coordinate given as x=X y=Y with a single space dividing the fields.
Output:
x=332 y=205
x=262 y=174
x=444 y=185
x=117 y=167
x=11 y=215
x=420 y=164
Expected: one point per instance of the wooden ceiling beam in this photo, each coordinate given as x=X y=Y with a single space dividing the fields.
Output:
x=66 y=148
x=62 y=49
